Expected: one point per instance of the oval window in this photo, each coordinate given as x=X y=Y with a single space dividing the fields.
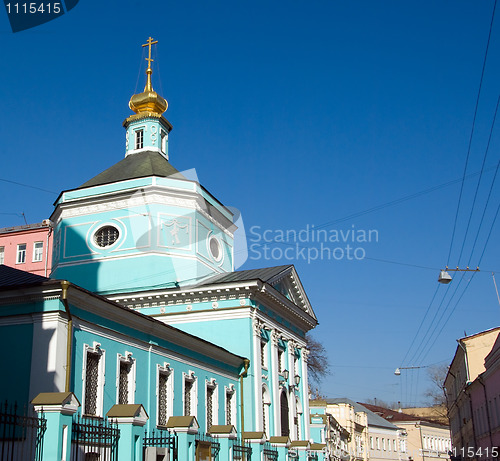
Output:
x=106 y=236
x=215 y=248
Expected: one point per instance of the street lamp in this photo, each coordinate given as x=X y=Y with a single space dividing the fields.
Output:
x=397 y=372
x=445 y=277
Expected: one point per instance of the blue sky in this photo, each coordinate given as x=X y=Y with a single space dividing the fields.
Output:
x=298 y=115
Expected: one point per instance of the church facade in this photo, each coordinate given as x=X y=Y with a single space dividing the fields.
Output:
x=143 y=306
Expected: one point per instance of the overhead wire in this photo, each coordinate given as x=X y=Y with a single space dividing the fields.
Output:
x=484 y=212
x=465 y=288
x=421 y=324
x=472 y=130
x=424 y=345
x=479 y=182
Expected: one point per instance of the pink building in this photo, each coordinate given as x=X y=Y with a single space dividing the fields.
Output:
x=485 y=405
x=28 y=247
x=473 y=397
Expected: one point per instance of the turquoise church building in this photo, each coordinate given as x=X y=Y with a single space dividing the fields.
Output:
x=144 y=312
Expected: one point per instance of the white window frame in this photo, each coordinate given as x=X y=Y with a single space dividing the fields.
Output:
x=281 y=360
x=165 y=369
x=190 y=377
x=94 y=349
x=21 y=252
x=212 y=384
x=2 y=255
x=264 y=348
x=266 y=405
x=231 y=392
x=37 y=255
x=136 y=138
x=129 y=360
x=163 y=141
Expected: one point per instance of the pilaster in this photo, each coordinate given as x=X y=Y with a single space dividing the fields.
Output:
x=58 y=409
x=130 y=419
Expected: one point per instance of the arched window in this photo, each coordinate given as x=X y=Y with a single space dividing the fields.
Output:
x=285 y=425
x=266 y=403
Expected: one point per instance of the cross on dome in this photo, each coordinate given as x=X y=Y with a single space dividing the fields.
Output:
x=149 y=100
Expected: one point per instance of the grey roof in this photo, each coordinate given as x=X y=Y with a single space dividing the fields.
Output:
x=264 y=274
x=7 y=230
x=10 y=277
x=134 y=166
x=373 y=418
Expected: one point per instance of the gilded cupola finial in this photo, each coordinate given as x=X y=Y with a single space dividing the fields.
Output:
x=149 y=100
x=149 y=71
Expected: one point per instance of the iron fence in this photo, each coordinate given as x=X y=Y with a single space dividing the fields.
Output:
x=211 y=442
x=21 y=434
x=159 y=443
x=270 y=452
x=94 y=438
x=241 y=450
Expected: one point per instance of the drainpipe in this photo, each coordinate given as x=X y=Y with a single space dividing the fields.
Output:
x=246 y=364
x=480 y=379
x=421 y=439
x=47 y=250
x=466 y=360
x=69 y=342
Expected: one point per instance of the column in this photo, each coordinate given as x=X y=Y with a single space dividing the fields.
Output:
x=275 y=388
x=257 y=369
x=224 y=434
x=186 y=428
x=256 y=440
x=130 y=419
x=304 y=391
x=58 y=409
x=282 y=444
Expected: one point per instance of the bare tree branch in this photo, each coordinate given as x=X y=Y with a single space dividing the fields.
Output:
x=317 y=363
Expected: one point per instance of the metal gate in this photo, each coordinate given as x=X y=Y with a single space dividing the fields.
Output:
x=160 y=444
x=21 y=434
x=94 y=439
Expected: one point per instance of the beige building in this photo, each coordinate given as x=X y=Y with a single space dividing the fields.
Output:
x=436 y=413
x=424 y=440
x=354 y=419
x=329 y=432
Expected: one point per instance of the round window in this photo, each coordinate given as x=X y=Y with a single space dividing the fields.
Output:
x=106 y=236
x=215 y=248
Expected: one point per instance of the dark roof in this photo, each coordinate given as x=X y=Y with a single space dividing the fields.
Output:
x=372 y=417
x=264 y=274
x=141 y=165
x=24 y=227
x=395 y=416
x=10 y=277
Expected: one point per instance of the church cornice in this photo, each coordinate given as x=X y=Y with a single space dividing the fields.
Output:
x=142 y=195
x=30 y=294
x=257 y=290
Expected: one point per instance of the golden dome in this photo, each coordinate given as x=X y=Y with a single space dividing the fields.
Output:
x=149 y=100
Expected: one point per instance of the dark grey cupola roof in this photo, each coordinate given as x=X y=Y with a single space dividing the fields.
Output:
x=141 y=165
